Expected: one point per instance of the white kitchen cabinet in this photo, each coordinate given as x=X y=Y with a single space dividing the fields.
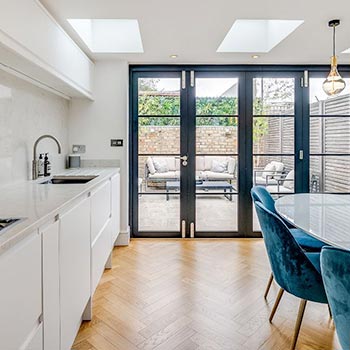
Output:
x=115 y=207
x=36 y=342
x=100 y=231
x=100 y=252
x=100 y=208
x=21 y=293
x=51 y=291
x=75 y=250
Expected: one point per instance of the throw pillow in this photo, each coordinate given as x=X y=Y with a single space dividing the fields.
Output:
x=150 y=166
x=218 y=167
x=268 y=170
x=231 y=166
x=161 y=165
x=289 y=181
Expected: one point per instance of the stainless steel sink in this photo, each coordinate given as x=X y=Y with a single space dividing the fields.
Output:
x=6 y=223
x=61 y=180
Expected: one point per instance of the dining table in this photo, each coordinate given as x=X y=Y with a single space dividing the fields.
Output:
x=323 y=216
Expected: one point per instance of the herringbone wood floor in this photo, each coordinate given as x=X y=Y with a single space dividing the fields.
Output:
x=196 y=294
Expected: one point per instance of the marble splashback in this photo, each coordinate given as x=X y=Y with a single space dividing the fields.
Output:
x=27 y=112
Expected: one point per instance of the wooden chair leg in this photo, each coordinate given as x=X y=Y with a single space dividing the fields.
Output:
x=275 y=306
x=298 y=323
x=268 y=286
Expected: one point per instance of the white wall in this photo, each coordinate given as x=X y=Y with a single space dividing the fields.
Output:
x=27 y=112
x=94 y=123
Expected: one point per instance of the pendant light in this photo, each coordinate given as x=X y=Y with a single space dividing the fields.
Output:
x=334 y=84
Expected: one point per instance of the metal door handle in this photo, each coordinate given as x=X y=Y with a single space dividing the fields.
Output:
x=185 y=157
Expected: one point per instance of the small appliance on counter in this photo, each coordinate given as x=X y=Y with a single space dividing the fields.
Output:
x=73 y=161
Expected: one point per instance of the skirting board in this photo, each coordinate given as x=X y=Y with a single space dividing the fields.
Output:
x=123 y=238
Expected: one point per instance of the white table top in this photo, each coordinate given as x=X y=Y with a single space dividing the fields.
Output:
x=324 y=216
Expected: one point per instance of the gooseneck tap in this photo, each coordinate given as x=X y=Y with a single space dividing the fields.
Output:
x=35 y=162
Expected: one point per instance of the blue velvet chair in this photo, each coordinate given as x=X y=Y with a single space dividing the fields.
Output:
x=308 y=243
x=295 y=271
x=335 y=267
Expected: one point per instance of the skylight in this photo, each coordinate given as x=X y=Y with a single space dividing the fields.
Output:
x=257 y=35
x=109 y=35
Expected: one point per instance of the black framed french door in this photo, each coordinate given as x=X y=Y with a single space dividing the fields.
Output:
x=181 y=121
x=202 y=136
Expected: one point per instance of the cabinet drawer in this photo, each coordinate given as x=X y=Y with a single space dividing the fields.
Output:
x=115 y=207
x=100 y=208
x=20 y=292
x=75 y=250
x=100 y=251
x=51 y=287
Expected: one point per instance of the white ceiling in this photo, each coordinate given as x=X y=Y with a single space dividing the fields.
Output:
x=193 y=29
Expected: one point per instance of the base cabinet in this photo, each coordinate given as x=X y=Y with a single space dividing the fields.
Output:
x=115 y=207
x=74 y=270
x=21 y=293
x=47 y=280
x=51 y=286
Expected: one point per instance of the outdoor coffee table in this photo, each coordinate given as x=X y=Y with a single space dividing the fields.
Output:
x=205 y=186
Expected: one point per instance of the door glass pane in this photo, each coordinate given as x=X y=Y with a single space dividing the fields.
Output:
x=159 y=96
x=159 y=135
x=273 y=135
x=216 y=96
x=159 y=151
x=216 y=154
x=330 y=135
x=216 y=213
x=159 y=213
x=330 y=174
x=322 y=104
x=276 y=173
x=273 y=96
x=216 y=135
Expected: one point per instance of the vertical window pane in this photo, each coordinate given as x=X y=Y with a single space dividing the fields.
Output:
x=273 y=96
x=159 y=213
x=330 y=135
x=330 y=174
x=273 y=135
x=217 y=96
x=216 y=135
x=276 y=173
x=217 y=213
x=322 y=104
x=159 y=135
x=159 y=96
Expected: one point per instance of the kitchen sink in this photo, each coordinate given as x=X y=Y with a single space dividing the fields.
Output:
x=61 y=180
x=5 y=223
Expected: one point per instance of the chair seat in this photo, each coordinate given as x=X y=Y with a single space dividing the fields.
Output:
x=306 y=241
x=315 y=260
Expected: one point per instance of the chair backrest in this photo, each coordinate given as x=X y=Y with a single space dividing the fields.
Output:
x=261 y=194
x=291 y=268
x=335 y=266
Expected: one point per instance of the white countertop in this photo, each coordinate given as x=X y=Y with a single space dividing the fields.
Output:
x=324 y=216
x=38 y=203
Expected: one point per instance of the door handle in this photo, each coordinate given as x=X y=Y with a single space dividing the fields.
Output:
x=184 y=159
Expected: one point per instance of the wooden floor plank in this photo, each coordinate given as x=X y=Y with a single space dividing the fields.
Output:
x=166 y=294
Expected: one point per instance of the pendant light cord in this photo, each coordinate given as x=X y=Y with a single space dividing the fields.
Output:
x=333 y=40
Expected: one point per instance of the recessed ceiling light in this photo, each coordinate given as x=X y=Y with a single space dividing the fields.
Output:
x=255 y=56
x=109 y=35
x=173 y=56
x=257 y=35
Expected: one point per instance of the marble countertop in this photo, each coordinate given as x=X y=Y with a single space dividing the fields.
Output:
x=38 y=203
x=324 y=216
